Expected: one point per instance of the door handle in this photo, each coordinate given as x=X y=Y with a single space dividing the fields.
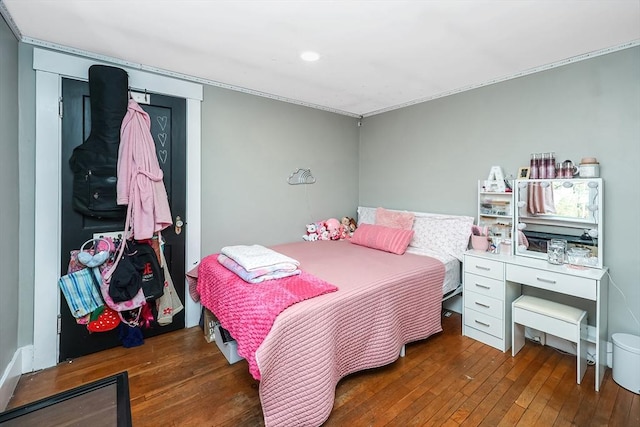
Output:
x=178 y=225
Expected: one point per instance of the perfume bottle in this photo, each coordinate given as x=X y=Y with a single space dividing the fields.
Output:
x=551 y=166
x=542 y=166
x=533 y=166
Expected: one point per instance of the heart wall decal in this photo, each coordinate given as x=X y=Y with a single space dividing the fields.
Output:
x=162 y=121
x=162 y=155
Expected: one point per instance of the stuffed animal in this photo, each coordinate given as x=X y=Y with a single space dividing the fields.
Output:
x=333 y=226
x=312 y=233
x=352 y=225
x=345 y=222
x=323 y=233
x=344 y=232
x=349 y=225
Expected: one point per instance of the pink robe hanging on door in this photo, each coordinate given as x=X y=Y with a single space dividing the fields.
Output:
x=140 y=183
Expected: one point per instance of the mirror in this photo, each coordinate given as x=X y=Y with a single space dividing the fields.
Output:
x=565 y=209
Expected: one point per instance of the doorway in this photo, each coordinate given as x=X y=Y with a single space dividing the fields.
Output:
x=49 y=67
x=167 y=115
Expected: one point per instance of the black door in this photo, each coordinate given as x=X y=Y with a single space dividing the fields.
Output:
x=168 y=118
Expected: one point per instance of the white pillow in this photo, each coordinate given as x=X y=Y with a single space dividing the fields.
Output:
x=366 y=215
x=448 y=234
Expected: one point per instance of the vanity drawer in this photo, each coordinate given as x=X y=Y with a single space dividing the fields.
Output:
x=484 y=267
x=484 y=285
x=553 y=281
x=484 y=304
x=483 y=322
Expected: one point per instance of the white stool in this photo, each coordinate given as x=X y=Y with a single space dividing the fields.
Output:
x=550 y=317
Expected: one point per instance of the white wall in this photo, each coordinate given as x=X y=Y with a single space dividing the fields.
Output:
x=250 y=146
x=428 y=157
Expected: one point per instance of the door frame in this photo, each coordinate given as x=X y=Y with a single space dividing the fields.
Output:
x=50 y=67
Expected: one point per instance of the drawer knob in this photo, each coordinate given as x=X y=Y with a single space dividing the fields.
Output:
x=540 y=279
x=482 y=323
x=483 y=286
x=481 y=267
x=482 y=304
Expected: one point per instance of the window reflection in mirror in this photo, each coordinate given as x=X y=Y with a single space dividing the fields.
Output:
x=561 y=200
x=567 y=209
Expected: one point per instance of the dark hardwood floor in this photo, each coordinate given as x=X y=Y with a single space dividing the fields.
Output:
x=178 y=379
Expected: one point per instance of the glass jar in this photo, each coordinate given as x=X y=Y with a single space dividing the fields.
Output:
x=578 y=257
x=556 y=251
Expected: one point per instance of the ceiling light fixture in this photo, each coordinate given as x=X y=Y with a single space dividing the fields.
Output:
x=310 y=56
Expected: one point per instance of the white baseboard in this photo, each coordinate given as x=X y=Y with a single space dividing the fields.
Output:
x=21 y=362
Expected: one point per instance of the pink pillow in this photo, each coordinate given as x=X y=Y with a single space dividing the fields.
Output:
x=394 y=240
x=394 y=219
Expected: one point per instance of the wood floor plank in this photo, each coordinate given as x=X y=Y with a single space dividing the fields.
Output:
x=587 y=407
x=512 y=388
x=621 y=407
x=539 y=379
x=498 y=413
x=484 y=389
x=510 y=418
x=634 y=413
x=604 y=410
x=178 y=379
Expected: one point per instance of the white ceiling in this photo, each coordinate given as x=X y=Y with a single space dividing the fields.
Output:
x=375 y=55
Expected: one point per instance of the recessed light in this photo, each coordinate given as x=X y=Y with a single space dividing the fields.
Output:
x=310 y=56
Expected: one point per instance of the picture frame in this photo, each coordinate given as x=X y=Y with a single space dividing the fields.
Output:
x=523 y=173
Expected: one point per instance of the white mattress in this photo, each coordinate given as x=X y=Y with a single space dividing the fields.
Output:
x=452 y=278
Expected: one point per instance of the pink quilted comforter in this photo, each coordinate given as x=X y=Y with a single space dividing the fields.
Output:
x=247 y=310
x=384 y=301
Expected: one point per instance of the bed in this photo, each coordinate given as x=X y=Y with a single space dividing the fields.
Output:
x=383 y=301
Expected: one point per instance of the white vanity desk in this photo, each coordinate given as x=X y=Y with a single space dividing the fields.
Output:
x=492 y=281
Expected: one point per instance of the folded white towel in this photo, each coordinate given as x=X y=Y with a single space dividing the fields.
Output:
x=255 y=257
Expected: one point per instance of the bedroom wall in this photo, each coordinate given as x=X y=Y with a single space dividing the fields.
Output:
x=27 y=168
x=250 y=146
x=9 y=208
x=428 y=157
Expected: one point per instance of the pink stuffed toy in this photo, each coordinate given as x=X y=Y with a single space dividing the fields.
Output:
x=323 y=233
x=333 y=226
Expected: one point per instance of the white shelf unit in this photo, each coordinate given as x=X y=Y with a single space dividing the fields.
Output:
x=495 y=211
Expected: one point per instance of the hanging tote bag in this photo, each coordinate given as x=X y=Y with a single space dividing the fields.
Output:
x=80 y=289
x=169 y=303
x=144 y=258
x=108 y=269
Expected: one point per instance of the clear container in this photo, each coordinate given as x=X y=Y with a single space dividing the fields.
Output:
x=578 y=257
x=556 y=251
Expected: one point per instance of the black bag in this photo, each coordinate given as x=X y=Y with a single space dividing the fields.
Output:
x=94 y=162
x=138 y=267
x=126 y=279
x=152 y=275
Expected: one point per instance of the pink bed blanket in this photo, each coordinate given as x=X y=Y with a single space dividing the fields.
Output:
x=384 y=301
x=248 y=310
